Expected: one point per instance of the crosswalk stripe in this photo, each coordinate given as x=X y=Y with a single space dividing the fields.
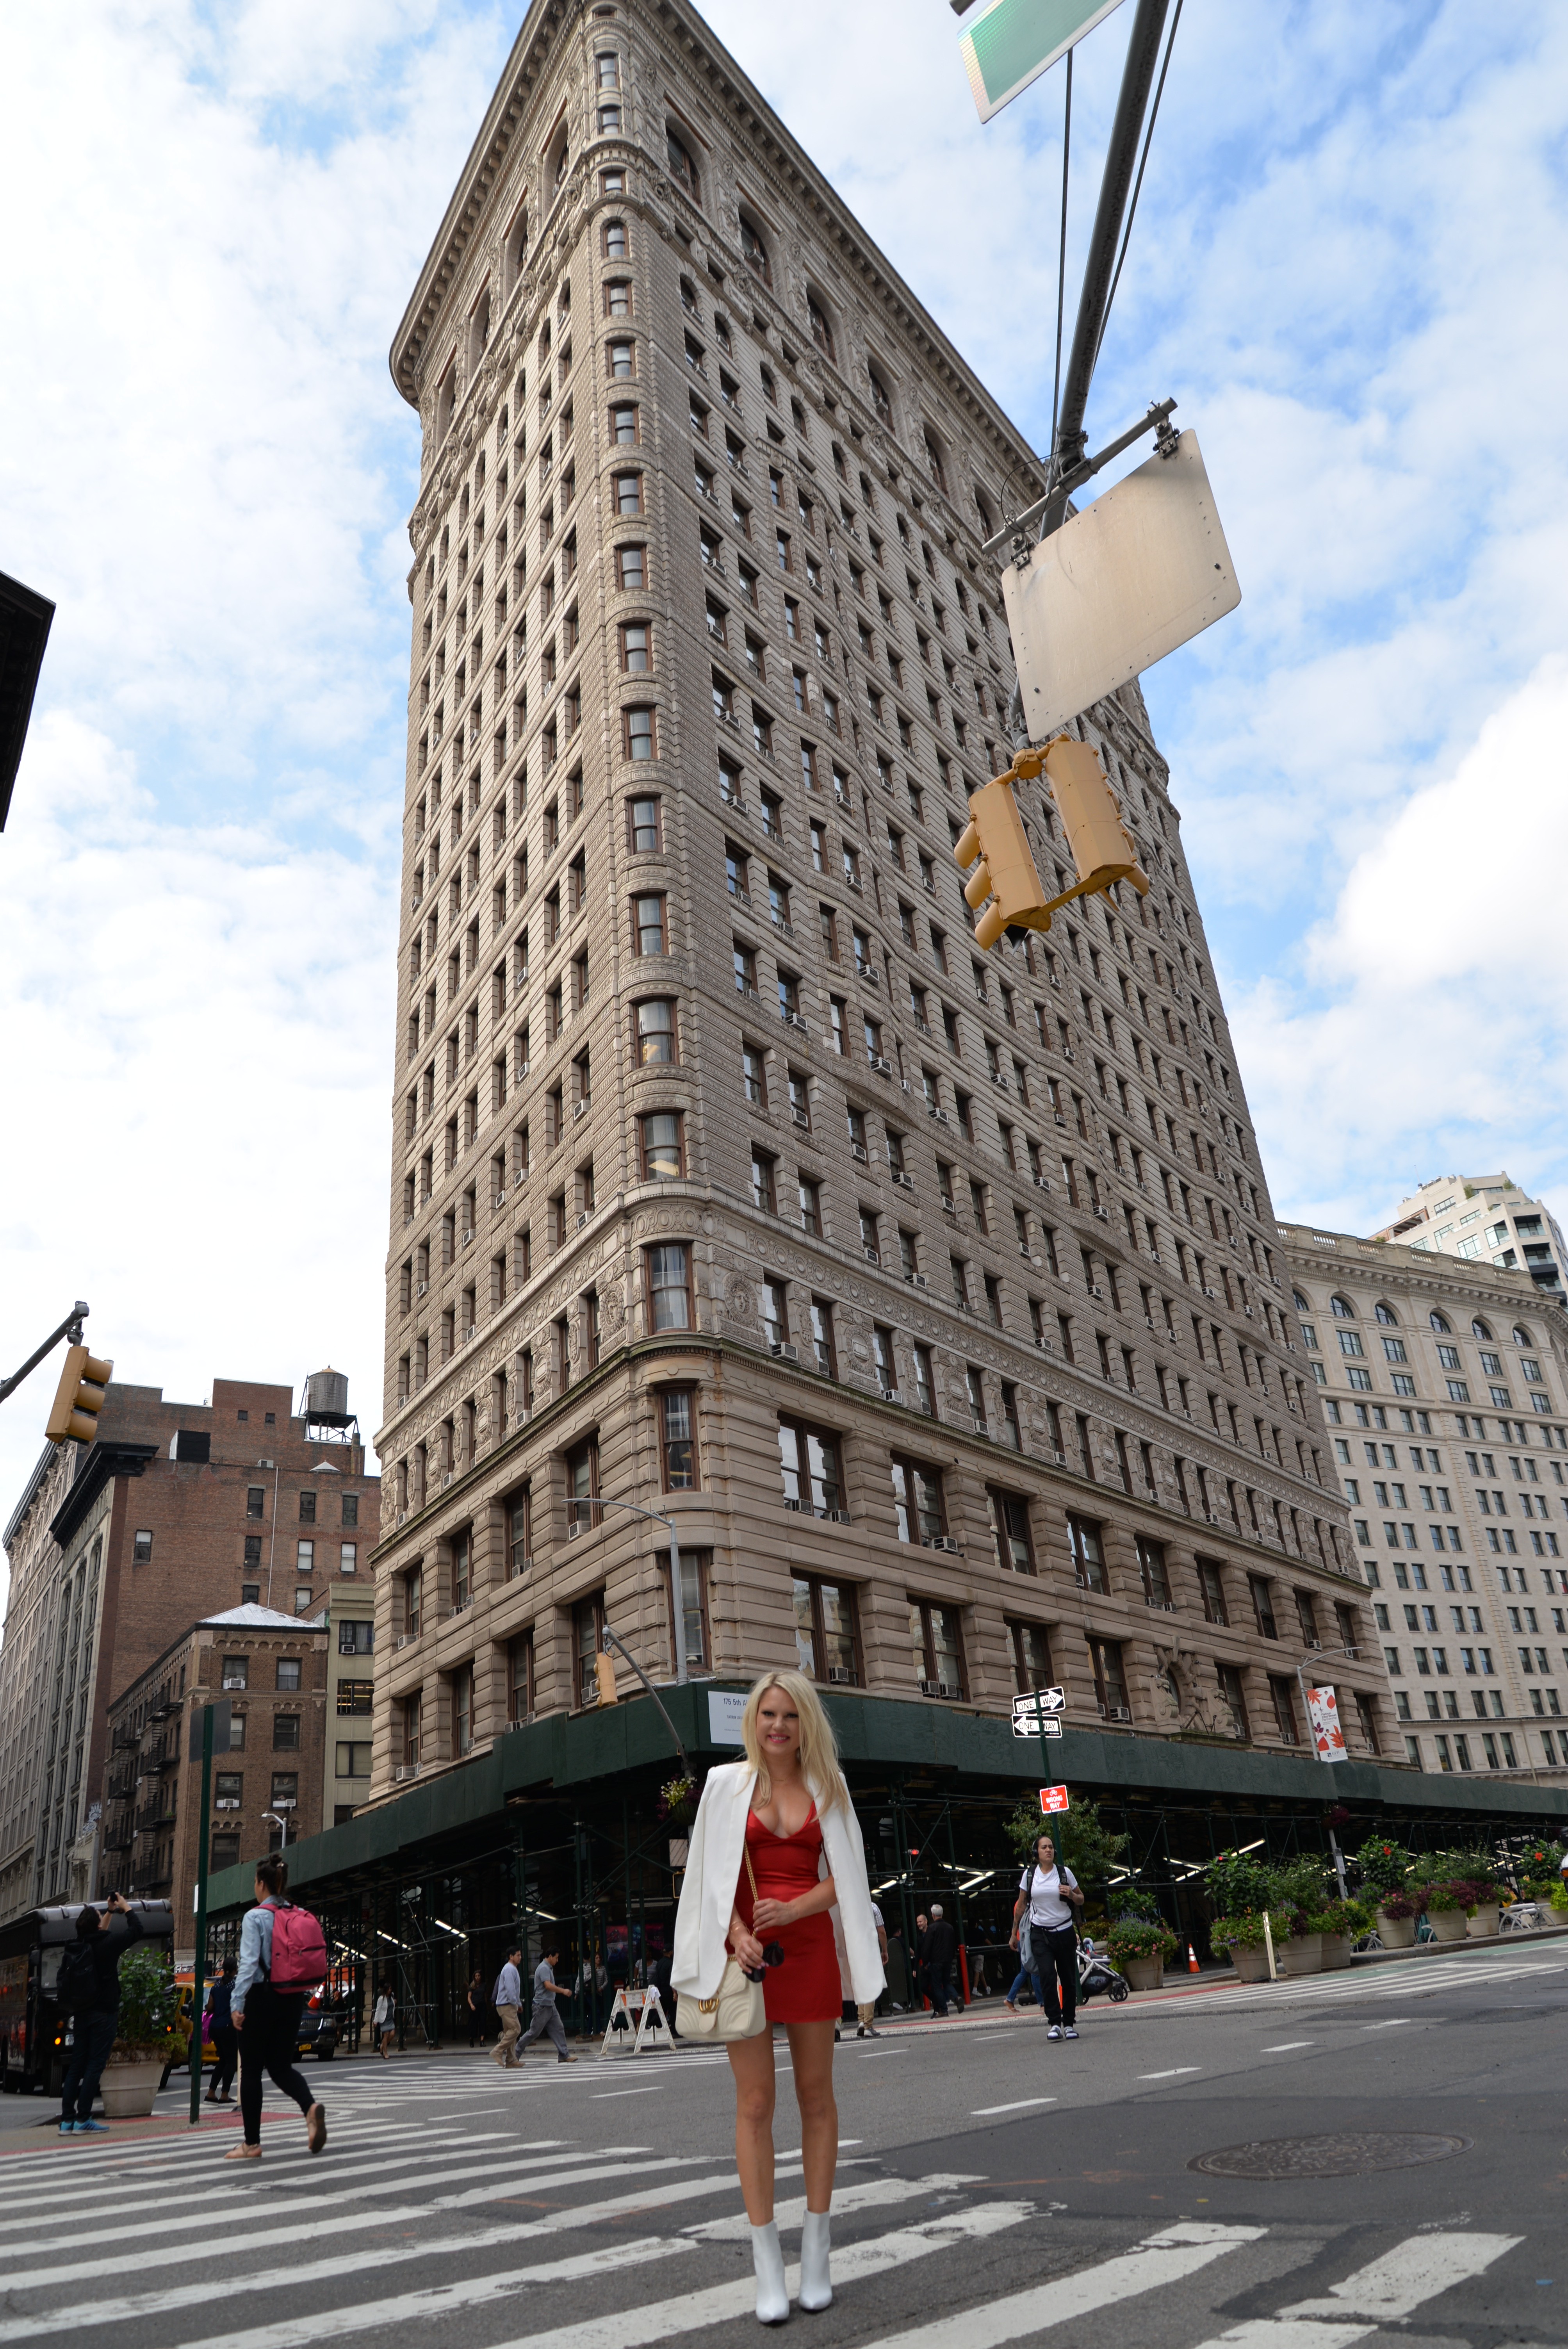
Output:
x=166 y=2254
x=666 y=2319
x=1414 y=2270
x=1161 y=2260
x=71 y=2208
x=864 y=2194
x=442 y=2299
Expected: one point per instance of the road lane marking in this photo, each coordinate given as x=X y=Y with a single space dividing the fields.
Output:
x=983 y=2112
x=603 y=2095
x=1286 y=2046
x=1174 y=2074
x=1420 y=2269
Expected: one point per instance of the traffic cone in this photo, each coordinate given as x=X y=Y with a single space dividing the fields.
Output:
x=1193 y=1965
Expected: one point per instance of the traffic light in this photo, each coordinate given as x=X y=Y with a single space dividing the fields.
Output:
x=996 y=844
x=605 y=1670
x=1098 y=840
x=80 y=1398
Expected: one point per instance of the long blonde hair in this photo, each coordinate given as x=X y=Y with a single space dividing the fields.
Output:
x=820 y=1764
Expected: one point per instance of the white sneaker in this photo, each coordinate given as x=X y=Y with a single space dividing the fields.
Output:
x=1056 y=2032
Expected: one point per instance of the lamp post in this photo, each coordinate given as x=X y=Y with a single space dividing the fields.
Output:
x=279 y=1820
x=1328 y=1758
x=677 y=1589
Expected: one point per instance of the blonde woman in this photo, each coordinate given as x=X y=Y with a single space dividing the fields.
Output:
x=786 y=1808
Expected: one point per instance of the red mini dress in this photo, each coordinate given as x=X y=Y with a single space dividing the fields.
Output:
x=805 y=1988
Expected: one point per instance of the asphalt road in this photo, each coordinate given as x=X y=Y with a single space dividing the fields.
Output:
x=993 y=2187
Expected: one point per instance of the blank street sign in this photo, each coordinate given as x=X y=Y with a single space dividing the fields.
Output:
x=1013 y=42
x=1140 y=570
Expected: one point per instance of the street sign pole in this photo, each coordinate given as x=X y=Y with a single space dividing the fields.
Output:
x=201 y=1849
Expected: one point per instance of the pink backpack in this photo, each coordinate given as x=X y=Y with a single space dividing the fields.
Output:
x=299 y=1950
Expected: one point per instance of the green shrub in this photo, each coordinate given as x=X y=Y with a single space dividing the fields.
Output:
x=1243 y=1932
x=1560 y=1897
x=1398 y=1905
x=1086 y=1847
x=1142 y=1940
x=1441 y=1900
x=1237 y=1881
x=1384 y=1865
x=148 y=2004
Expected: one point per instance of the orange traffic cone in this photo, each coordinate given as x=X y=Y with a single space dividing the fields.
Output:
x=1193 y=1965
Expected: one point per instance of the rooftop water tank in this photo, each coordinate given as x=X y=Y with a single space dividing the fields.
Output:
x=326 y=1399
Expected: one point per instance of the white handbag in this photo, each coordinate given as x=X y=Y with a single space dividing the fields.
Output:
x=737 y=2011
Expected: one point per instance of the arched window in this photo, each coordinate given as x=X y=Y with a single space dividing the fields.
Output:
x=1480 y=1329
x=879 y=399
x=478 y=329
x=516 y=250
x=560 y=157
x=1521 y=1336
x=933 y=459
x=754 y=251
x=681 y=165
x=1441 y=1325
x=821 y=332
x=983 y=508
x=1301 y=1304
x=1386 y=1314
x=616 y=240
x=1343 y=1309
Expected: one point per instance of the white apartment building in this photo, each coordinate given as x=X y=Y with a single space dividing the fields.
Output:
x=1485 y=1219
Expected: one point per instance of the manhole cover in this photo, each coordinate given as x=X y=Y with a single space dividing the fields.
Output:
x=1346 y=2153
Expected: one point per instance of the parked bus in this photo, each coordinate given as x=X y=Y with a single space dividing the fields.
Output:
x=35 y=2034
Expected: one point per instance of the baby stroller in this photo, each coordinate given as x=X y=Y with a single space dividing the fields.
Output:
x=1096 y=1973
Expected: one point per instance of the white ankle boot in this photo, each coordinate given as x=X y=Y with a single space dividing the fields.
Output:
x=772 y=2297
x=816 y=2284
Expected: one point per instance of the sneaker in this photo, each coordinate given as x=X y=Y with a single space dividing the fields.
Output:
x=1056 y=2032
x=68 y=2128
x=92 y=2128
x=1069 y=2032
x=566 y=2059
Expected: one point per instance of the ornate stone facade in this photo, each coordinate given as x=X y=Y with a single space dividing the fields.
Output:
x=714 y=1140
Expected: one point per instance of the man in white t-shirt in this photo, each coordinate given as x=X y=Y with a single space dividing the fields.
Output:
x=1050 y=1894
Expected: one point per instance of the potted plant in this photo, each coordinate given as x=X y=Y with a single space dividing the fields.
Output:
x=677 y=1808
x=1297 y=1896
x=1339 y=1921
x=1140 y=1950
x=1383 y=1865
x=149 y=2039
x=1485 y=1916
x=1445 y=1910
x=1243 y=1937
x=1397 y=1914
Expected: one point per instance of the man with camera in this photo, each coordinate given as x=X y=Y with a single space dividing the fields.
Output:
x=88 y=1988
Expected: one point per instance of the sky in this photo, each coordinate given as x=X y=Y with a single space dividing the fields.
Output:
x=1348 y=267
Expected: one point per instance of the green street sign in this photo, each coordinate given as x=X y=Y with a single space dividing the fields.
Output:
x=1011 y=43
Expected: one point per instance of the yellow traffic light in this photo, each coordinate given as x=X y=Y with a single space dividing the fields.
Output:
x=996 y=844
x=604 y=1670
x=1098 y=840
x=80 y=1398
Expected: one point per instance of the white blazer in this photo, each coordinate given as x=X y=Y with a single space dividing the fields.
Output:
x=714 y=1860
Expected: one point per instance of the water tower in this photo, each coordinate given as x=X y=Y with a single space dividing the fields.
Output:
x=325 y=1413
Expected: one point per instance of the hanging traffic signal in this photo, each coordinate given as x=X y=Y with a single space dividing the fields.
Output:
x=80 y=1398
x=995 y=846
x=604 y=1672
x=1100 y=843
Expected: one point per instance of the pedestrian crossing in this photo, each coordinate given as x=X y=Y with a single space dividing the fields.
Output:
x=1416 y=1978
x=482 y=2231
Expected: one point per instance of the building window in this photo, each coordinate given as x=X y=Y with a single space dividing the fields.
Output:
x=640 y=741
x=229 y=1790
x=355 y=1638
x=1263 y=1606
x=352 y=1759
x=669 y=1286
x=1110 y=1680
x=587 y=1639
x=519 y=1679
x=348 y=1559
x=682 y=168
x=141 y=1547
x=808 y=1460
x=285 y=1790
x=826 y=1631
x=1234 y=1696
x=462 y=1553
x=1283 y=1698
x=462 y=1711
x=654 y=1043
x=255 y=1501
x=289 y=1672
x=648 y=924
x=1031 y=1650
x=1088 y=1552
x=1010 y=1524
x=412 y=1724
x=663 y=1156
x=917 y=1500
x=355 y=1697
x=305 y=1563
x=936 y=1638
x=253 y=1559
x=582 y=1485
x=308 y=1508
x=631 y=567
x=285 y=1733
x=1366 y=1714
x=762 y=1190
x=237 y=1671
x=519 y=1533
x=678 y=1439
x=1151 y=1569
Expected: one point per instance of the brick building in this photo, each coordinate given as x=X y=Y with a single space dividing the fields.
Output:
x=272 y=1668
x=175 y=1511
x=1461 y=1533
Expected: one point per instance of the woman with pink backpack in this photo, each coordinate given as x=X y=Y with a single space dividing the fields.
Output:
x=282 y=1957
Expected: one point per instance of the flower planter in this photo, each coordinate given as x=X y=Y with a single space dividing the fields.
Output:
x=1336 y=1953
x=129 y=2084
x=1253 y=1965
x=1303 y=1954
x=1485 y=1922
x=1395 y=1933
x=1447 y=1924
x=1143 y=1973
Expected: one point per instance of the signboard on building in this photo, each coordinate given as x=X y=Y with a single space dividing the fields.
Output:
x=725 y=1709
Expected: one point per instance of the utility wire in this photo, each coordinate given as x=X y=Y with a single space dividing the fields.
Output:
x=1142 y=163
x=1062 y=256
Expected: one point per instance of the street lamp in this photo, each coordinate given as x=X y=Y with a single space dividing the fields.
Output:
x=279 y=1820
x=677 y=1589
x=1328 y=1758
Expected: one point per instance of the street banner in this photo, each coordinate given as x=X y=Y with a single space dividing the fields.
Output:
x=1053 y=1798
x=1322 y=1706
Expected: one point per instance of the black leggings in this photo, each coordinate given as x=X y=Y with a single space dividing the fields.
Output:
x=1055 y=1956
x=269 y=2039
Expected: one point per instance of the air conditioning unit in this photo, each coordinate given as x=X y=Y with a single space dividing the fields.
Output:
x=579 y=1109
x=842 y=1675
x=1104 y=1213
x=948 y=1203
x=460 y=1607
x=939 y=1688
x=883 y=1068
x=939 y=1114
x=858 y=1150
x=500 y=1199
x=905 y=1181
x=794 y=1019
x=582 y=1219
x=891 y=1394
x=802 y=1119
x=407 y=1638
x=998 y=1078
x=404 y=1770
x=1210 y=1292
x=864 y=970
x=873 y=1256
x=916 y=1279
x=790 y=1504
x=1045 y=1346
x=1024 y=1252
x=467 y=1237
x=744 y=987
x=1040 y=1182
x=855 y=883
x=1068 y=1052
x=1096 y=1292
x=1115 y=1712
x=227 y=1803
x=784 y=1353
x=468 y=1334
x=941 y=1541
x=421 y=1288
x=524 y=1565
x=1061 y=1458
x=836 y=1517
x=445 y=1480
x=1250 y=1314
